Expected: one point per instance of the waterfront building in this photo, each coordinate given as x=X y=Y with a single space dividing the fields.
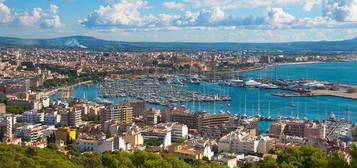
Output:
x=121 y=114
x=206 y=119
x=314 y=130
x=139 y=106
x=169 y=111
x=298 y=128
x=277 y=128
x=295 y=128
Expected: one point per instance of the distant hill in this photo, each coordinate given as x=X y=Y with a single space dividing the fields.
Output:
x=86 y=42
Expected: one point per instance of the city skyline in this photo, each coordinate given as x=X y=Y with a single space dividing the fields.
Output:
x=182 y=20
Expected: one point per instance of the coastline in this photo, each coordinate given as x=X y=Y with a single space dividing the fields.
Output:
x=54 y=91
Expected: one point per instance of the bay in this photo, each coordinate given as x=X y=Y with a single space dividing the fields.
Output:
x=249 y=100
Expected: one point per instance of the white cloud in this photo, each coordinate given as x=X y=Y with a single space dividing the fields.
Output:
x=278 y=17
x=123 y=13
x=236 y=4
x=341 y=10
x=174 y=5
x=35 y=18
x=5 y=13
x=127 y=15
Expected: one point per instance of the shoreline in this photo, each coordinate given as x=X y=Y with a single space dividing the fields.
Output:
x=54 y=91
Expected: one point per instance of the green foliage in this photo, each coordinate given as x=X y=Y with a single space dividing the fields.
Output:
x=292 y=157
x=152 y=143
x=95 y=119
x=18 y=157
x=4 y=100
x=140 y=124
x=16 y=109
x=180 y=140
x=52 y=146
x=272 y=150
x=306 y=157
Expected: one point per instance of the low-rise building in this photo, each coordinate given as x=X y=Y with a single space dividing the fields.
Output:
x=243 y=142
x=162 y=135
x=65 y=133
x=185 y=152
x=101 y=145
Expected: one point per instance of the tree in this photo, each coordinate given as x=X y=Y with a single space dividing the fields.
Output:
x=272 y=150
x=52 y=146
x=353 y=154
x=180 y=140
x=268 y=162
x=337 y=160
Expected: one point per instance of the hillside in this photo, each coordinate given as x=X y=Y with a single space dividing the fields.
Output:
x=86 y=42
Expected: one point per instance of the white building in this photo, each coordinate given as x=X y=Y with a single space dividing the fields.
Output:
x=179 y=131
x=34 y=132
x=158 y=134
x=33 y=117
x=101 y=145
x=45 y=102
x=52 y=118
x=6 y=124
x=238 y=142
x=203 y=145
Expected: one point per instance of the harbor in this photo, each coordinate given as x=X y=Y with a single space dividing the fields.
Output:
x=153 y=92
x=311 y=107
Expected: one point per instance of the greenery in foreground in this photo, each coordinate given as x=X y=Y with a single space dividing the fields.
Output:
x=292 y=157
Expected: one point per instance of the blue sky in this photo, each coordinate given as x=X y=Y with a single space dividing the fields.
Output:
x=182 y=20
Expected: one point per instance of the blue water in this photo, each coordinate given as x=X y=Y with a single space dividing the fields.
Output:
x=329 y=71
x=311 y=107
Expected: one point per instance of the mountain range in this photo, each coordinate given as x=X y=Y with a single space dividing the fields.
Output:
x=91 y=43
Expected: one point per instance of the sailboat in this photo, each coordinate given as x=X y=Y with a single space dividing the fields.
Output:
x=258 y=115
x=269 y=117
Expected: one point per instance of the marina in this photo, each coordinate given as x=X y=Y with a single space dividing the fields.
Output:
x=152 y=91
x=311 y=107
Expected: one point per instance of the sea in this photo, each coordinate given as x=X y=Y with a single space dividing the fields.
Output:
x=251 y=101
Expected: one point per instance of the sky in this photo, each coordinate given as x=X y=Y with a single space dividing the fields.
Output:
x=181 y=20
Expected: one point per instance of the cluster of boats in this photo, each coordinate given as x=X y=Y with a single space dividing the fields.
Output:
x=250 y=83
x=153 y=92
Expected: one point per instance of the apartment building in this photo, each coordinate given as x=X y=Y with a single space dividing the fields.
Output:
x=33 y=117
